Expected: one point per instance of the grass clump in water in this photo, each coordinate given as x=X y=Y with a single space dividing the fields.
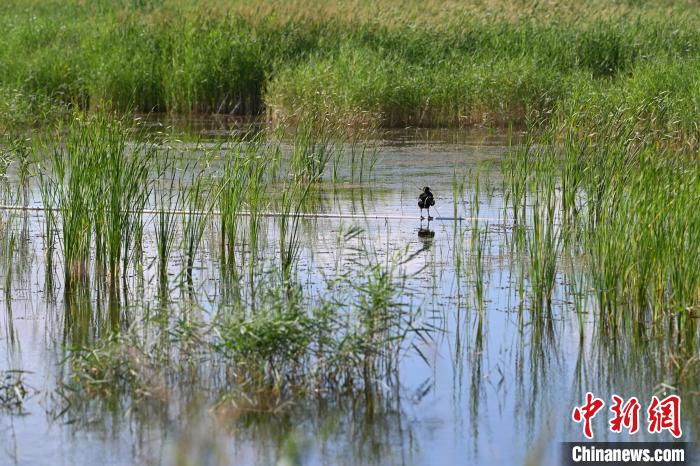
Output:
x=116 y=365
x=13 y=391
x=619 y=200
x=97 y=186
x=279 y=346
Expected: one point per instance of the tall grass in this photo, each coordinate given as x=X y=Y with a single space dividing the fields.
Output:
x=619 y=199
x=169 y=199
x=478 y=244
x=316 y=143
x=97 y=186
x=385 y=65
x=291 y=204
x=232 y=200
x=543 y=244
x=199 y=203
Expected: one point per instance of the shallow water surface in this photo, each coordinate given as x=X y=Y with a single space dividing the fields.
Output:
x=490 y=382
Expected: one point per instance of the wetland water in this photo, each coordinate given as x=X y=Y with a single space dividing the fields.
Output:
x=486 y=381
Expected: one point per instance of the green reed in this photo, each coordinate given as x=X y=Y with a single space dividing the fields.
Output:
x=316 y=143
x=257 y=203
x=478 y=243
x=543 y=245
x=72 y=183
x=454 y=66
x=199 y=203
x=248 y=168
x=97 y=186
x=8 y=240
x=291 y=204
x=47 y=191
x=458 y=231
x=617 y=198
x=124 y=189
x=169 y=199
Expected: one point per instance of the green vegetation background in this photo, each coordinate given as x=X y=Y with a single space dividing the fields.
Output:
x=393 y=63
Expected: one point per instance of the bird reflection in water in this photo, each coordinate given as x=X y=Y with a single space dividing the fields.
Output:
x=426 y=235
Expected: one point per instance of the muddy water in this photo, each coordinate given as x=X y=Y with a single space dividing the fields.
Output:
x=489 y=387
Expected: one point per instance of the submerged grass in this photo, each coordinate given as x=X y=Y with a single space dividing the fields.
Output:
x=280 y=346
x=14 y=391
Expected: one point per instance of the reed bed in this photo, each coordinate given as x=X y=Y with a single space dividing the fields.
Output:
x=276 y=347
x=97 y=182
x=269 y=333
x=602 y=193
x=380 y=64
x=619 y=201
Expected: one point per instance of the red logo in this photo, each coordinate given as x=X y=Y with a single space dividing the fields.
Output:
x=587 y=412
x=661 y=414
x=665 y=415
x=626 y=415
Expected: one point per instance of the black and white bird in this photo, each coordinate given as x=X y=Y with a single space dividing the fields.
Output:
x=425 y=200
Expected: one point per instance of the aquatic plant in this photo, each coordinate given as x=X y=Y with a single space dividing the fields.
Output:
x=292 y=200
x=113 y=365
x=13 y=391
x=169 y=200
x=97 y=185
x=478 y=243
x=199 y=202
x=316 y=143
x=247 y=168
x=123 y=193
x=8 y=242
x=543 y=245
x=622 y=207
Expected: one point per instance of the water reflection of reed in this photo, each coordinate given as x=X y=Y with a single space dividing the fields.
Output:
x=217 y=311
